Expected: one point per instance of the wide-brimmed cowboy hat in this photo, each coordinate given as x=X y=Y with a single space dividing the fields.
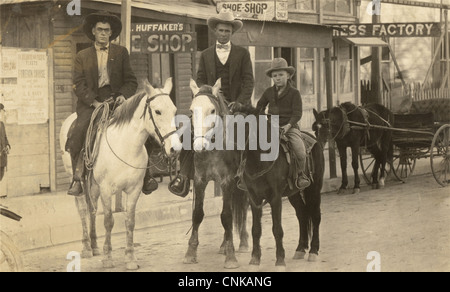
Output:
x=279 y=64
x=102 y=16
x=227 y=17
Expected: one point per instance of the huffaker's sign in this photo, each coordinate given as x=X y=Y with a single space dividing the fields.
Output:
x=150 y=38
x=414 y=29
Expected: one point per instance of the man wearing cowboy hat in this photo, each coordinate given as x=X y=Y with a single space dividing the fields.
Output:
x=233 y=65
x=4 y=144
x=101 y=72
x=285 y=101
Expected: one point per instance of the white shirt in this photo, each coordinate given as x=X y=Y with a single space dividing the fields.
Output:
x=102 y=58
x=222 y=53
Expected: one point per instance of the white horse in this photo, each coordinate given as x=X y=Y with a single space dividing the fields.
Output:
x=121 y=163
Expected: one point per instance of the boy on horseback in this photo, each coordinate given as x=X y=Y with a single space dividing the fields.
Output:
x=284 y=100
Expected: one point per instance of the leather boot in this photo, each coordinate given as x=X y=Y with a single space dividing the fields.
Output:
x=180 y=185
x=150 y=184
x=75 y=189
x=302 y=181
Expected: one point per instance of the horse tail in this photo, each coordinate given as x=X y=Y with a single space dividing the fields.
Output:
x=239 y=207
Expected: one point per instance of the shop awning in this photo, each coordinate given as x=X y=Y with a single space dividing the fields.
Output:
x=366 y=42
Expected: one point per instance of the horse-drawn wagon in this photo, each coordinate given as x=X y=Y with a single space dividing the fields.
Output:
x=422 y=133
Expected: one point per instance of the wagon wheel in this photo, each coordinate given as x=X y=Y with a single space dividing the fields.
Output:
x=10 y=257
x=440 y=155
x=403 y=164
x=367 y=161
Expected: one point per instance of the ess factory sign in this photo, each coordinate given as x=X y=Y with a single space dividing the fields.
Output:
x=150 y=38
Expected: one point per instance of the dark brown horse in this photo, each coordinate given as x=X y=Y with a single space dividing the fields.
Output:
x=267 y=182
x=355 y=126
x=215 y=165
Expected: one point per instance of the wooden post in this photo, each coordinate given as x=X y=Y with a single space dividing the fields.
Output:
x=125 y=36
x=377 y=82
x=447 y=52
x=329 y=87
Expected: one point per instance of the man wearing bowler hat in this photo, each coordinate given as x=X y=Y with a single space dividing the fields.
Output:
x=233 y=65
x=101 y=72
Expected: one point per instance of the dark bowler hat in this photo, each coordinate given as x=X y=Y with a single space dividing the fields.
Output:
x=227 y=17
x=102 y=16
x=280 y=64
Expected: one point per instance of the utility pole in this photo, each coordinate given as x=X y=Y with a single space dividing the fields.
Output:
x=376 y=77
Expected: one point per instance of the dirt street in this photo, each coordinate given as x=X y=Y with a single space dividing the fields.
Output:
x=404 y=227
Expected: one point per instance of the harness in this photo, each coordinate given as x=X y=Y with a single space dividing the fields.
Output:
x=92 y=152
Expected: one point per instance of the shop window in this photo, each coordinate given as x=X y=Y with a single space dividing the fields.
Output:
x=337 y=6
x=345 y=68
x=301 y=4
x=306 y=71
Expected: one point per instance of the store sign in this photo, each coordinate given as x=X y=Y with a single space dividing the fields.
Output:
x=431 y=29
x=259 y=10
x=148 y=38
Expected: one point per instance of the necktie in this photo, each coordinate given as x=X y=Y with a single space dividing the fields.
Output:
x=224 y=47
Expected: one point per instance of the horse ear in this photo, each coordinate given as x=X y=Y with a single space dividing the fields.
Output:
x=148 y=87
x=316 y=114
x=168 y=85
x=217 y=86
x=194 y=87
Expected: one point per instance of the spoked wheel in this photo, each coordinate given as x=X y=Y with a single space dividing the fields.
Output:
x=403 y=164
x=440 y=155
x=367 y=161
x=10 y=256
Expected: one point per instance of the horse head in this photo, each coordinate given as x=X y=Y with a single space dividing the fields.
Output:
x=160 y=114
x=321 y=126
x=207 y=110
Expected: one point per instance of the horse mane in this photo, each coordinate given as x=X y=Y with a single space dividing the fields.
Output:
x=124 y=113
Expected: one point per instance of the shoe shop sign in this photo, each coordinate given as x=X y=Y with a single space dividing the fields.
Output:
x=148 y=38
x=259 y=10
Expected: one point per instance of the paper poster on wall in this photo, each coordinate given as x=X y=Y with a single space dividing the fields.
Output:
x=8 y=63
x=32 y=87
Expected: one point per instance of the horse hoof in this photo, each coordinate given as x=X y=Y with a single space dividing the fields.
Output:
x=253 y=268
x=132 y=266
x=96 y=252
x=299 y=255
x=108 y=264
x=243 y=249
x=280 y=268
x=190 y=260
x=356 y=191
x=86 y=254
x=231 y=265
x=312 y=257
x=341 y=191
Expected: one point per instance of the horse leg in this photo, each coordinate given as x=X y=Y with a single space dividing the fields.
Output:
x=80 y=202
x=343 y=159
x=277 y=230
x=256 y=232
x=300 y=211
x=109 y=224
x=226 y=218
x=355 y=165
x=130 y=224
x=92 y=204
x=314 y=219
x=197 y=218
x=243 y=234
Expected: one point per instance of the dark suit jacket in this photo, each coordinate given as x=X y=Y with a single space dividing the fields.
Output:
x=288 y=105
x=85 y=77
x=241 y=72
